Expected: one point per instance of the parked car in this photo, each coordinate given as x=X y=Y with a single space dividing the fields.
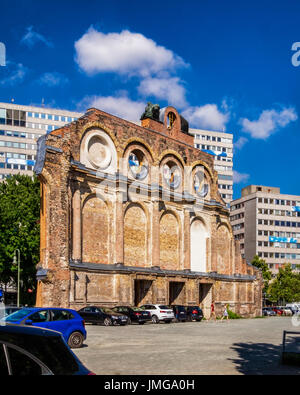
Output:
x=31 y=351
x=292 y=312
x=159 y=313
x=295 y=307
x=134 y=314
x=66 y=321
x=179 y=313
x=286 y=311
x=102 y=315
x=278 y=310
x=268 y=311
x=194 y=313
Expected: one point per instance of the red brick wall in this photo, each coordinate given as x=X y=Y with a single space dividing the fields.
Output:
x=95 y=231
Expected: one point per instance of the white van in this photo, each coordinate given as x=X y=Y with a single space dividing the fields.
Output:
x=295 y=307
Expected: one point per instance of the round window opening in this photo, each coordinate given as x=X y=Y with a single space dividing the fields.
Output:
x=99 y=153
x=172 y=175
x=201 y=186
x=138 y=165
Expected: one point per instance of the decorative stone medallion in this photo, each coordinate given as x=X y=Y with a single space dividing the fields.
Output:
x=172 y=175
x=201 y=186
x=138 y=165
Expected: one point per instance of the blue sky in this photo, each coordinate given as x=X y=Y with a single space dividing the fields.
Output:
x=223 y=65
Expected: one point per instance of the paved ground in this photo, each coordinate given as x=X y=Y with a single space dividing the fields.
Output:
x=244 y=346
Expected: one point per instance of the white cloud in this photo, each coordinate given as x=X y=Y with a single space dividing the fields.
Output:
x=53 y=79
x=207 y=117
x=31 y=38
x=120 y=106
x=240 y=177
x=168 y=89
x=15 y=74
x=239 y=144
x=124 y=53
x=268 y=122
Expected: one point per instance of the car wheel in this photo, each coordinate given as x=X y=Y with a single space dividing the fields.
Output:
x=155 y=319
x=75 y=340
x=107 y=322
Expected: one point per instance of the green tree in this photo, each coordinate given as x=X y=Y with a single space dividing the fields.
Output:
x=266 y=273
x=19 y=229
x=286 y=286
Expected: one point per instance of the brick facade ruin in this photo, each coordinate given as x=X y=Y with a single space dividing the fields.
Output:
x=131 y=215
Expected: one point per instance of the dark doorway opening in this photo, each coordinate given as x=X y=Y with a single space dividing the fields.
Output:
x=176 y=293
x=142 y=292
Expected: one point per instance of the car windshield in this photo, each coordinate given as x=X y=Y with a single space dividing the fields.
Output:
x=137 y=309
x=164 y=307
x=180 y=308
x=18 y=315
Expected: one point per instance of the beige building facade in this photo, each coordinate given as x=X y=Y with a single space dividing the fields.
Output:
x=20 y=127
x=267 y=223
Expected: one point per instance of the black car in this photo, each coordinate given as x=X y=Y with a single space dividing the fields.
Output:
x=134 y=314
x=194 y=313
x=33 y=351
x=179 y=313
x=102 y=315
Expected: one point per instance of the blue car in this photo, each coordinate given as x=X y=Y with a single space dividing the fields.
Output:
x=66 y=321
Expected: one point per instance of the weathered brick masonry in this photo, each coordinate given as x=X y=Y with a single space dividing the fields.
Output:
x=131 y=214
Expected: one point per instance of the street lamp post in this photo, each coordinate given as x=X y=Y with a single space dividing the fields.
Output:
x=17 y=261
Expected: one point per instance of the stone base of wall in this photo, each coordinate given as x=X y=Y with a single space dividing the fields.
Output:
x=112 y=288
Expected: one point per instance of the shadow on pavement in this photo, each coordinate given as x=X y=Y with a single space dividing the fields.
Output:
x=261 y=359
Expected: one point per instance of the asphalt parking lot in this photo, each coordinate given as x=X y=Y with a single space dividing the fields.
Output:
x=236 y=347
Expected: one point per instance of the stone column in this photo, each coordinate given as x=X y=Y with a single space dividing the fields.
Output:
x=155 y=234
x=76 y=207
x=187 y=240
x=119 y=229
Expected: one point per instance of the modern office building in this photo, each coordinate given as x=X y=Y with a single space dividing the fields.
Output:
x=267 y=224
x=20 y=127
x=220 y=145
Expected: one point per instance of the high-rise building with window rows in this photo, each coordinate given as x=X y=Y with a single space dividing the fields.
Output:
x=267 y=224
x=20 y=127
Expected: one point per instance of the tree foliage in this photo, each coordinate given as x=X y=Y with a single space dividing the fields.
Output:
x=286 y=286
x=266 y=273
x=19 y=229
